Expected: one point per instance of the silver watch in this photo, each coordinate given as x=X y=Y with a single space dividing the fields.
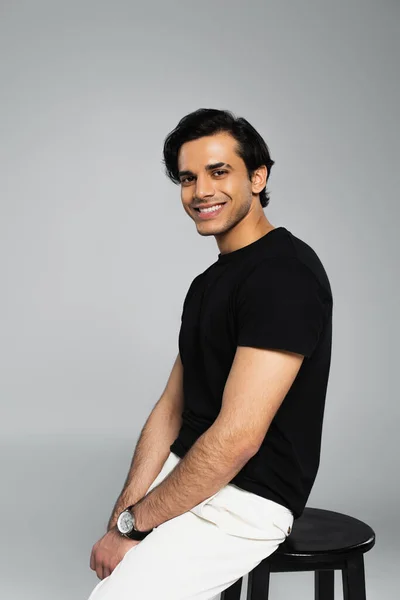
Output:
x=126 y=525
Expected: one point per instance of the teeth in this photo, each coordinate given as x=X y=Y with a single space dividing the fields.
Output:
x=212 y=209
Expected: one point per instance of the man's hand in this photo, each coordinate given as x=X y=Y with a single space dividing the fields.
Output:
x=109 y=551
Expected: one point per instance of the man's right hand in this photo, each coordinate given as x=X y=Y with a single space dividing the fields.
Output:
x=108 y=552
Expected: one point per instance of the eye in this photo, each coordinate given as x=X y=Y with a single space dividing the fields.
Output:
x=185 y=179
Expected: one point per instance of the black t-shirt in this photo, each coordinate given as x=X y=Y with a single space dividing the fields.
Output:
x=273 y=293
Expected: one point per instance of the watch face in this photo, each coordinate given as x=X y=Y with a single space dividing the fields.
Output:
x=125 y=522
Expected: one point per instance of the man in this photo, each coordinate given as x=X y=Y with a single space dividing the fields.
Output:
x=228 y=456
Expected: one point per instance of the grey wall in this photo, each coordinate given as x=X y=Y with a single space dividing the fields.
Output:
x=97 y=253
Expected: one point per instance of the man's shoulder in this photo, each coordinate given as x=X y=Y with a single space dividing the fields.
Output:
x=291 y=255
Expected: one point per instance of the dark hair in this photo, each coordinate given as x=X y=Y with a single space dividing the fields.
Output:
x=209 y=121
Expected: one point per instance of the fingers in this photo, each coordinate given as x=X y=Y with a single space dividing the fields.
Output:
x=92 y=560
x=106 y=551
x=102 y=570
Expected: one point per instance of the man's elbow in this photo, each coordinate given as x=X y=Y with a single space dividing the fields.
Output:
x=247 y=447
x=238 y=445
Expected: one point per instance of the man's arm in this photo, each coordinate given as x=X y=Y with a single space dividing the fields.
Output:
x=153 y=447
x=257 y=384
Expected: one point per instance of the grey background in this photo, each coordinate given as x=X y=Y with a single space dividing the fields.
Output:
x=97 y=252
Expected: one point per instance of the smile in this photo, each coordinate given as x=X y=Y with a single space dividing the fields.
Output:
x=209 y=213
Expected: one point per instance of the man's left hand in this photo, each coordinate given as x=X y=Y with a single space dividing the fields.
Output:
x=108 y=552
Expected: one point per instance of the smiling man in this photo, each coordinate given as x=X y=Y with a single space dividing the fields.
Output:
x=227 y=458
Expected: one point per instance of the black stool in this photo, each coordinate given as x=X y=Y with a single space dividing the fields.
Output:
x=321 y=541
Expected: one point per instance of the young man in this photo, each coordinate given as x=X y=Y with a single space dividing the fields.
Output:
x=228 y=456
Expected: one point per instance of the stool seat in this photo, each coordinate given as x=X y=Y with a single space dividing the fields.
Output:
x=324 y=535
x=321 y=541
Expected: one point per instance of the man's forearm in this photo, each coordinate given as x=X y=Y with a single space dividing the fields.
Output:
x=152 y=450
x=208 y=465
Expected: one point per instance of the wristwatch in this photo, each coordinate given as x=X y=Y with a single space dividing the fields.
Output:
x=126 y=525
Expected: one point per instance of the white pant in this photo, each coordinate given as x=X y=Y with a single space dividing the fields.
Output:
x=200 y=553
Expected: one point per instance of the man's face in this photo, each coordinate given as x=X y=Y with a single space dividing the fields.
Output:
x=228 y=185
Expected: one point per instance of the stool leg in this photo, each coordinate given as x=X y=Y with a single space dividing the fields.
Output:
x=324 y=585
x=258 y=582
x=353 y=576
x=233 y=592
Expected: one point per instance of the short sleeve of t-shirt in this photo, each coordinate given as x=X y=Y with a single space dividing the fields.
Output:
x=279 y=307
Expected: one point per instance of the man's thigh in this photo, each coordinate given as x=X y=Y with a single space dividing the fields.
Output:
x=185 y=558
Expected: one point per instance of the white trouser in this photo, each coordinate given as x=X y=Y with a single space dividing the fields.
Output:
x=200 y=553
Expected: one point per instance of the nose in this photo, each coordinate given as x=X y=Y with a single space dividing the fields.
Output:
x=204 y=188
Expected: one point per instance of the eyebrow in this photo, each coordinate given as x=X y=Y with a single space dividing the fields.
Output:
x=208 y=168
